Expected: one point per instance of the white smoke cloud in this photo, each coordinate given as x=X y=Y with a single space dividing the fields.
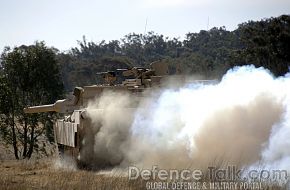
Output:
x=242 y=120
x=277 y=154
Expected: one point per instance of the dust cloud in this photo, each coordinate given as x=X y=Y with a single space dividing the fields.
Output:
x=244 y=119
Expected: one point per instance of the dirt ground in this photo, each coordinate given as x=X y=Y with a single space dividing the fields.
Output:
x=43 y=174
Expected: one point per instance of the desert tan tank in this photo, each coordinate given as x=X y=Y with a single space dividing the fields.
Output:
x=69 y=131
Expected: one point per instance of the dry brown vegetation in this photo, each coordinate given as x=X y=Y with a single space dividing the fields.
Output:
x=42 y=174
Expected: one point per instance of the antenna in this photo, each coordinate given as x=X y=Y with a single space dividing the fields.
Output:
x=145 y=26
x=207 y=23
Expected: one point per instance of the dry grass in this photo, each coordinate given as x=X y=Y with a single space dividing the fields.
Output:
x=42 y=174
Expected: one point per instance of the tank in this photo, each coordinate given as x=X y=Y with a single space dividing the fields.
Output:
x=70 y=130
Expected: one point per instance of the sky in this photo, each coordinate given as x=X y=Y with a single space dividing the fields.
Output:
x=60 y=23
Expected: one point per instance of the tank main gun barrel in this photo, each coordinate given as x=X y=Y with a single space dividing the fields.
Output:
x=60 y=106
x=38 y=109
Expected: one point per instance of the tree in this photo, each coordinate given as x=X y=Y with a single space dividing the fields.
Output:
x=267 y=43
x=30 y=76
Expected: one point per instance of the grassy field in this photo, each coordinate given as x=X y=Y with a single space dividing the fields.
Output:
x=44 y=174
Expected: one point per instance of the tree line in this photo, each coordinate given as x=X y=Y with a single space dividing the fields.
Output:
x=209 y=53
x=37 y=74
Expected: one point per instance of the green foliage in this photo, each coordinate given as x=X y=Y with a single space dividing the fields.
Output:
x=267 y=44
x=30 y=76
x=206 y=53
